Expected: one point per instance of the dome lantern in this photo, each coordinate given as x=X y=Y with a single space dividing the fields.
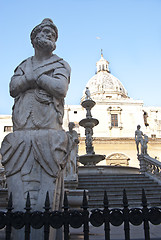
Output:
x=102 y=64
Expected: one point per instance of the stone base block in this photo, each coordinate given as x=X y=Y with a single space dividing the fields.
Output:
x=75 y=198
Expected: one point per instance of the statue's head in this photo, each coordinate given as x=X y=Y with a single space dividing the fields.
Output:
x=138 y=127
x=71 y=125
x=44 y=35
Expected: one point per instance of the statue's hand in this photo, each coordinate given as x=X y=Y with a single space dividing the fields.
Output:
x=30 y=74
x=38 y=78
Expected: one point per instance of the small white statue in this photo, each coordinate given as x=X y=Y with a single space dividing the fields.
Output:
x=139 y=139
x=71 y=173
x=87 y=93
x=145 y=146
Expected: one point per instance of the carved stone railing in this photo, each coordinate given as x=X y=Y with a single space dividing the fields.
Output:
x=150 y=167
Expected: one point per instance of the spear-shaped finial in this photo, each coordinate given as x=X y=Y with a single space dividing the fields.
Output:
x=66 y=205
x=9 y=206
x=47 y=201
x=144 y=199
x=85 y=201
x=28 y=202
x=125 y=201
x=105 y=201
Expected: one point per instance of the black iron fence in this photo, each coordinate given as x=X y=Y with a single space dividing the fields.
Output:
x=76 y=218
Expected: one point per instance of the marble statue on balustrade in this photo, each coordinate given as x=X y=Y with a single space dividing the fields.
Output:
x=35 y=154
x=139 y=139
x=145 y=146
x=71 y=173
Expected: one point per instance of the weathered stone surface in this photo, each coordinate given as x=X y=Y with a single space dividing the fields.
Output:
x=71 y=172
x=139 y=139
x=35 y=154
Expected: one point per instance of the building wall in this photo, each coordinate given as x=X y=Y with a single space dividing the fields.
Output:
x=111 y=141
x=5 y=126
x=130 y=114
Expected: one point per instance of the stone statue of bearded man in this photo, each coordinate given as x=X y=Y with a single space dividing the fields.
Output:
x=35 y=154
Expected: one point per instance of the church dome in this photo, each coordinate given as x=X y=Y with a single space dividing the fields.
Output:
x=103 y=85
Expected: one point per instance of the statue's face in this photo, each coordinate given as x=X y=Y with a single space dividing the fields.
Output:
x=45 y=39
x=48 y=34
x=71 y=126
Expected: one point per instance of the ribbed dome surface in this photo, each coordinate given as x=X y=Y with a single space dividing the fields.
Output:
x=103 y=85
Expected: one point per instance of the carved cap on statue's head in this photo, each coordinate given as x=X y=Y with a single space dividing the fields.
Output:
x=46 y=22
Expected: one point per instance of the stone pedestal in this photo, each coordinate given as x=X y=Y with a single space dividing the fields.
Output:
x=142 y=163
x=75 y=198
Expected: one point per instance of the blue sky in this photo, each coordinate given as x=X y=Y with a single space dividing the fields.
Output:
x=128 y=31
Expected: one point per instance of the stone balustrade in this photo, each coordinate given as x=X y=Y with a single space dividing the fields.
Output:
x=150 y=167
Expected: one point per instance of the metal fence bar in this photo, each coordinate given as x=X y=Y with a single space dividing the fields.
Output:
x=8 y=218
x=46 y=217
x=85 y=216
x=106 y=217
x=66 y=217
x=145 y=216
x=126 y=216
x=27 y=217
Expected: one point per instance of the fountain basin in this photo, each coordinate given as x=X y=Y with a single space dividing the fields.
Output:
x=89 y=122
x=91 y=159
x=89 y=103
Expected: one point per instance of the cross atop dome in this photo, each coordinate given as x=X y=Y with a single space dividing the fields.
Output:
x=102 y=64
x=101 y=53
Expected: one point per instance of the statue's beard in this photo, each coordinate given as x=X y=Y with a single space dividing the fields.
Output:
x=44 y=44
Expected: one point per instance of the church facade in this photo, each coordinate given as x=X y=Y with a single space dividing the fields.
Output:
x=118 y=116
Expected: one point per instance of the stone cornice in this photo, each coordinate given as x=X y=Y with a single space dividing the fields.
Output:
x=120 y=140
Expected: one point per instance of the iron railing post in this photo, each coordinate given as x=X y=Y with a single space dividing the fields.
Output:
x=126 y=216
x=106 y=217
x=9 y=218
x=46 y=217
x=27 y=217
x=66 y=217
x=85 y=216
x=145 y=211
